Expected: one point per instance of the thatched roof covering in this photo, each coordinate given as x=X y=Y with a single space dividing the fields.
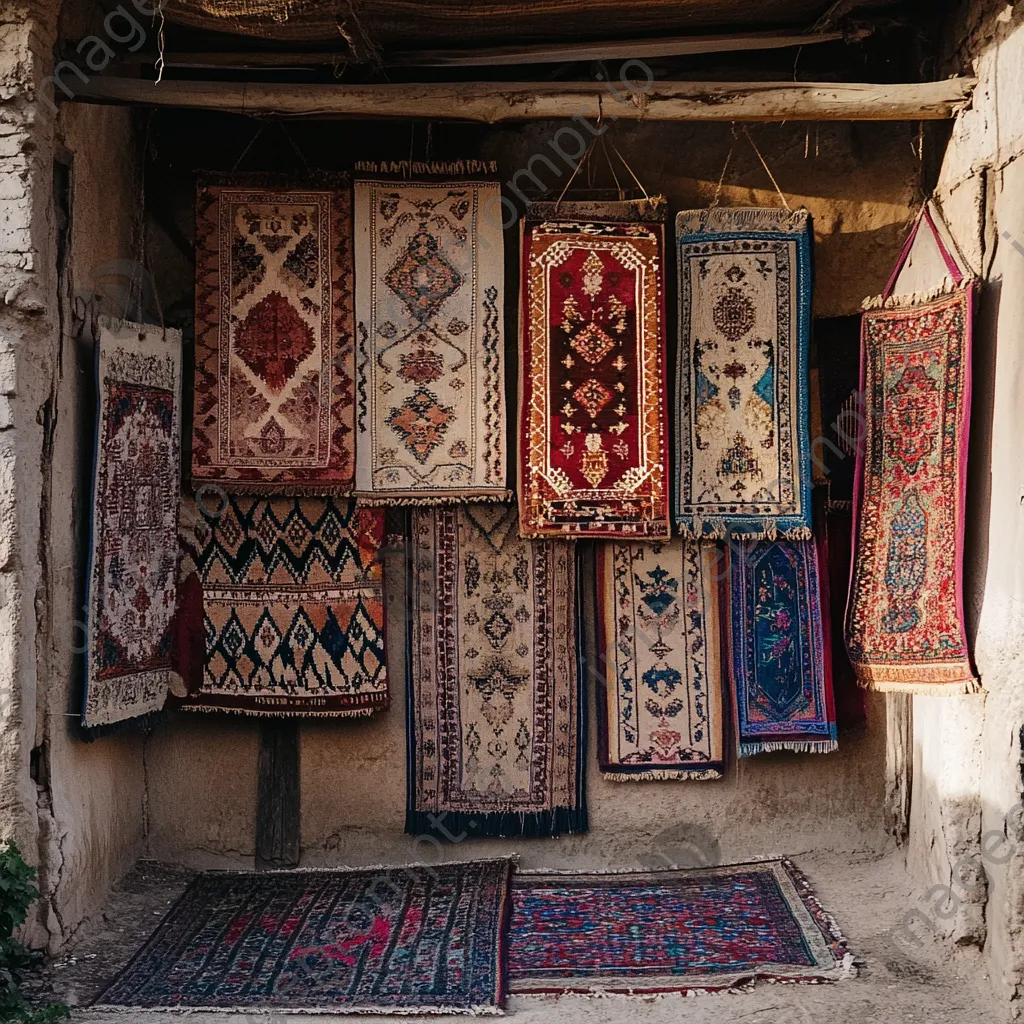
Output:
x=412 y=24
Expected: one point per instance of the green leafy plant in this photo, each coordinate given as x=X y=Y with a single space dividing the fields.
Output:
x=17 y=893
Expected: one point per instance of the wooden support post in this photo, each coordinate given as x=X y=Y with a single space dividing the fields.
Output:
x=492 y=103
x=899 y=764
x=277 y=795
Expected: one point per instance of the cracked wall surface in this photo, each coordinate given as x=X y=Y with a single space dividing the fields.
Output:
x=75 y=808
x=966 y=825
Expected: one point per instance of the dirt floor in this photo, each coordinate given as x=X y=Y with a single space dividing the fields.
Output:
x=933 y=983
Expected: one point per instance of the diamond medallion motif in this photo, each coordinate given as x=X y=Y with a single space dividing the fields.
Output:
x=423 y=277
x=421 y=421
x=592 y=344
x=593 y=396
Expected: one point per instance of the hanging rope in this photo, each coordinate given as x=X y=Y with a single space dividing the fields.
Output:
x=717 y=198
x=578 y=167
x=630 y=169
x=767 y=170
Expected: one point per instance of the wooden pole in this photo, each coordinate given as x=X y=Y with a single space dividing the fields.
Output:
x=277 y=795
x=492 y=103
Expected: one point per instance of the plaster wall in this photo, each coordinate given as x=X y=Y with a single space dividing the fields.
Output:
x=967 y=773
x=76 y=809
x=96 y=789
x=201 y=769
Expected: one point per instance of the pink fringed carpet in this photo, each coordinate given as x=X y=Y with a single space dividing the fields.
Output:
x=905 y=621
x=386 y=940
x=670 y=931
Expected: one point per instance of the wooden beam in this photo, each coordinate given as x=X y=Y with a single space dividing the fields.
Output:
x=504 y=101
x=499 y=56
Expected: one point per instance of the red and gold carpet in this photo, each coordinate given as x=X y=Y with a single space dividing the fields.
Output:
x=593 y=444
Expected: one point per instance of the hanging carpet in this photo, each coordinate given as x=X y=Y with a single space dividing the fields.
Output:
x=294 y=612
x=659 y=709
x=593 y=443
x=780 y=647
x=905 y=617
x=430 y=377
x=743 y=446
x=688 y=931
x=496 y=716
x=133 y=554
x=274 y=356
x=419 y=939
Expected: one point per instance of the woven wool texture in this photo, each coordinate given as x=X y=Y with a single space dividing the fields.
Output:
x=495 y=727
x=691 y=931
x=134 y=545
x=659 y=648
x=779 y=639
x=405 y=940
x=294 y=613
x=274 y=355
x=593 y=433
x=430 y=374
x=905 y=618
x=743 y=446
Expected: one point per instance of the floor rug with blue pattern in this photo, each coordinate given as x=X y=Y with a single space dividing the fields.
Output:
x=692 y=930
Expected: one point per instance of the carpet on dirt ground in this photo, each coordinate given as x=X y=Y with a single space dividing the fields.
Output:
x=381 y=940
x=692 y=930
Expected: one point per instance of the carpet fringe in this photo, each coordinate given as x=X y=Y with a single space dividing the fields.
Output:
x=406 y=168
x=290 y=713
x=650 y=208
x=255 y=488
x=722 y=219
x=794 y=746
x=510 y=858
x=922 y=298
x=667 y=774
x=955 y=688
x=695 y=528
x=325 y=1011
x=366 y=499
x=511 y=825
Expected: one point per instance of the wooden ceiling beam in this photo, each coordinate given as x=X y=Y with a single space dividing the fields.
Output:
x=492 y=103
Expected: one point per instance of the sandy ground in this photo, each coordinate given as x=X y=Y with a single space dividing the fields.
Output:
x=934 y=983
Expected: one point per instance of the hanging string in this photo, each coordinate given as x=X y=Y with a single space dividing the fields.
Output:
x=611 y=167
x=259 y=132
x=721 y=178
x=294 y=145
x=576 y=170
x=766 y=168
x=630 y=169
